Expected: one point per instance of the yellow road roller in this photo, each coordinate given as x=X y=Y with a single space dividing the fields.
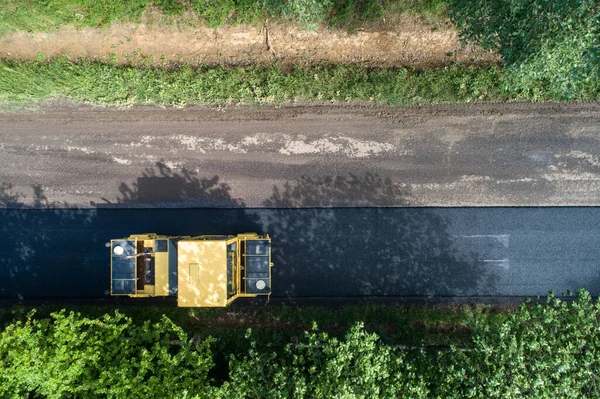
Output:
x=201 y=271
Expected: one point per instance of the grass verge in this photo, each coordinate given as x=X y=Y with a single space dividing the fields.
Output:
x=45 y=15
x=100 y=83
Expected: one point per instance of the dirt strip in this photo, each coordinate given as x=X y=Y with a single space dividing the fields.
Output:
x=406 y=42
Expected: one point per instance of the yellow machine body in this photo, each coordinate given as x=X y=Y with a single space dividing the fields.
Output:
x=202 y=271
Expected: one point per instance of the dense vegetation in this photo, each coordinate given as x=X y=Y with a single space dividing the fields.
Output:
x=43 y=15
x=549 y=47
x=111 y=84
x=550 y=51
x=545 y=350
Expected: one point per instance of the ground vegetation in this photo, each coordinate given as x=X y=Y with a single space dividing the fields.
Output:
x=548 y=51
x=536 y=350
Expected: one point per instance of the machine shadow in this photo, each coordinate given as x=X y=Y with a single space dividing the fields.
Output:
x=372 y=251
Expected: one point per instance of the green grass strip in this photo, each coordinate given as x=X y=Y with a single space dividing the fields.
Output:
x=45 y=15
x=30 y=82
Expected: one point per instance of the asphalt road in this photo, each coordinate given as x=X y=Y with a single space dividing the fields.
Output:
x=325 y=252
x=479 y=155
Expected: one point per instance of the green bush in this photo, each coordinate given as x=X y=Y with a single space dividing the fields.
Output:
x=307 y=13
x=170 y=7
x=545 y=350
x=550 y=48
x=350 y=13
x=323 y=367
x=539 y=351
x=71 y=356
x=215 y=12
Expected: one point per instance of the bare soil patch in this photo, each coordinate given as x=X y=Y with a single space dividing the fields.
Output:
x=405 y=43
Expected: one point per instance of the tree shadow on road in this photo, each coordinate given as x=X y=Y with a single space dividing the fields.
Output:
x=161 y=186
x=40 y=252
x=365 y=251
x=351 y=190
x=210 y=206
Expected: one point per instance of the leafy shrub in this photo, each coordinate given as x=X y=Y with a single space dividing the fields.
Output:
x=72 y=356
x=215 y=12
x=352 y=12
x=110 y=84
x=539 y=351
x=170 y=7
x=550 y=47
x=307 y=13
x=544 y=350
x=323 y=367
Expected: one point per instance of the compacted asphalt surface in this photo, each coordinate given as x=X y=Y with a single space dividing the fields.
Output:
x=336 y=252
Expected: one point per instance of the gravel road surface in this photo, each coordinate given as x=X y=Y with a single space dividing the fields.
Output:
x=320 y=156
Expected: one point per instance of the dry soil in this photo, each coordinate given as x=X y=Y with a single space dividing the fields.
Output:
x=404 y=42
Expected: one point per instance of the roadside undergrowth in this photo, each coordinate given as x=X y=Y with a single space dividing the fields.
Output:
x=397 y=325
x=103 y=83
x=25 y=82
x=557 y=63
x=47 y=15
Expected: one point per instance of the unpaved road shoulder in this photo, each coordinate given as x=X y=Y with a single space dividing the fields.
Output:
x=481 y=155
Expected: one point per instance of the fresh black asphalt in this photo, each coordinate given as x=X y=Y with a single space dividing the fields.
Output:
x=336 y=252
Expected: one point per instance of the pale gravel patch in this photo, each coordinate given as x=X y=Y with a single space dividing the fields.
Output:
x=571 y=176
x=144 y=141
x=191 y=143
x=257 y=140
x=121 y=161
x=203 y=145
x=522 y=180
x=147 y=157
x=173 y=165
x=130 y=145
x=463 y=181
x=591 y=159
x=85 y=150
x=33 y=147
x=352 y=148
x=468 y=183
x=474 y=178
x=287 y=145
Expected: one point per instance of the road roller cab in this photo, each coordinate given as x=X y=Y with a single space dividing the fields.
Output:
x=202 y=271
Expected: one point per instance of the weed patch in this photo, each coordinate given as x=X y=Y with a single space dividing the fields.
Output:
x=45 y=15
x=26 y=82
